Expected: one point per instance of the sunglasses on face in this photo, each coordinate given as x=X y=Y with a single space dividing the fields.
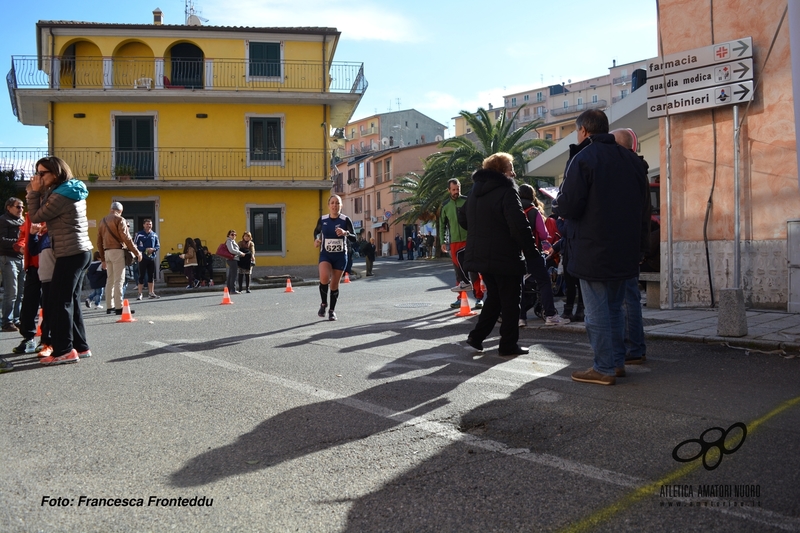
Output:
x=42 y=173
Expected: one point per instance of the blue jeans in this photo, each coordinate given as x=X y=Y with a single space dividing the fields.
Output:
x=13 y=281
x=605 y=323
x=634 y=326
x=96 y=295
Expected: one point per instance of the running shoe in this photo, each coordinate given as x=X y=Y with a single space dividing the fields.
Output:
x=332 y=315
x=69 y=357
x=88 y=303
x=321 y=312
x=84 y=354
x=478 y=304
x=5 y=366
x=153 y=296
x=139 y=297
x=555 y=320
x=26 y=346
x=463 y=286
x=456 y=304
x=46 y=351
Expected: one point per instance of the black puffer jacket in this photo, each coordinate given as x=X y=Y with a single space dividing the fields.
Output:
x=605 y=197
x=498 y=230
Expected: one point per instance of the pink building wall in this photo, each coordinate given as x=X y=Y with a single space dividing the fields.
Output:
x=768 y=164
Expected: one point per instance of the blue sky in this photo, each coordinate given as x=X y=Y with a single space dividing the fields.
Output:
x=437 y=57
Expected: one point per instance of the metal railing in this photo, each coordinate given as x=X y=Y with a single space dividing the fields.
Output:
x=104 y=73
x=558 y=111
x=616 y=99
x=621 y=80
x=176 y=164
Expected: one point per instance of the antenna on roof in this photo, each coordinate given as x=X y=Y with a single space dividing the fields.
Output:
x=192 y=18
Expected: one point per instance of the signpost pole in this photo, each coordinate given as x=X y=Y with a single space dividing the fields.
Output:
x=737 y=259
x=670 y=291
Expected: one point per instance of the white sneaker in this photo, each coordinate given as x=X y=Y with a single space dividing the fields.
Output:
x=139 y=297
x=99 y=306
x=522 y=323
x=463 y=286
x=555 y=320
x=153 y=296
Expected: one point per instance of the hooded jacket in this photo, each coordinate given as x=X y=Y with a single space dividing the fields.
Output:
x=498 y=230
x=605 y=199
x=64 y=210
x=10 y=227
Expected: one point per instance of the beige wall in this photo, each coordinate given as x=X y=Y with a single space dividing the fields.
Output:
x=768 y=176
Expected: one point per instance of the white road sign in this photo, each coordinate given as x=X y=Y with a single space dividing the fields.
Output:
x=701 y=57
x=734 y=93
x=700 y=78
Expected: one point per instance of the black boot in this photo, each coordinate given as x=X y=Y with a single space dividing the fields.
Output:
x=578 y=316
x=567 y=313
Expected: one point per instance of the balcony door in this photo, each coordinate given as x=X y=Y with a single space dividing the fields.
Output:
x=134 y=147
x=187 y=66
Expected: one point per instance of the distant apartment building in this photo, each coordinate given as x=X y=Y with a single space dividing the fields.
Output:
x=365 y=182
x=393 y=129
x=463 y=128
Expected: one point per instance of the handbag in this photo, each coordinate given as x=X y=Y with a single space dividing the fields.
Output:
x=222 y=251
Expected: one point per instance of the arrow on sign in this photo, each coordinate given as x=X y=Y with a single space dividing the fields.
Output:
x=744 y=70
x=743 y=48
x=743 y=92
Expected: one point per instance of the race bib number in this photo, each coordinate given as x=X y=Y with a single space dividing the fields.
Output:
x=334 y=245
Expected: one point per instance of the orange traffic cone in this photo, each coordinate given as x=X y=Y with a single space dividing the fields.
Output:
x=289 y=285
x=226 y=297
x=39 y=324
x=346 y=278
x=465 y=310
x=127 y=316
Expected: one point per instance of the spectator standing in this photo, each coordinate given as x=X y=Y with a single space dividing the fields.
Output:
x=604 y=196
x=11 y=222
x=232 y=261
x=112 y=241
x=498 y=233
x=369 y=255
x=398 y=243
x=189 y=257
x=247 y=261
x=147 y=243
x=32 y=291
x=55 y=197
x=97 y=281
x=39 y=248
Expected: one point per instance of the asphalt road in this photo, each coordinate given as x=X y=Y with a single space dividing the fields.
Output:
x=277 y=420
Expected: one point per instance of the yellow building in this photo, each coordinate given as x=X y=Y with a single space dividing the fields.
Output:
x=201 y=128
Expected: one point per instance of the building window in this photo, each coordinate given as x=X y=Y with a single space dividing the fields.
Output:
x=548 y=136
x=369 y=169
x=540 y=111
x=594 y=98
x=416 y=125
x=377 y=201
x=526 y=112
x=361 y=175
x=357 y=206
x=265 y=139
x=525 y=98
x=351 y=176
x=134 y=146
x=391 y=140
x=514 y=102
x=623 y=93
x=566 y=104
x=378 y=172
x=539 y=96
x=266 y=226
x=387 y=175
x=264 y=60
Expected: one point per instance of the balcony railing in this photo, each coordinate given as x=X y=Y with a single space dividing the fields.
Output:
x=105 y=73
x=622 y=80
x=558 y=111
x=616 y=99
x=176 y=164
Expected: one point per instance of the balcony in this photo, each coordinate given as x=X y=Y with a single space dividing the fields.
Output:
x=145 y=167
x=558 y=111
x=622 y=80
x=535 y=116
x=35 y=82
x=616 y=99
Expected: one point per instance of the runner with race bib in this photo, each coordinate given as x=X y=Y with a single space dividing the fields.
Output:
x=330 y=236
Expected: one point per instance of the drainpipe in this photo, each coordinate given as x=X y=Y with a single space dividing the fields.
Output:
x=50 y=121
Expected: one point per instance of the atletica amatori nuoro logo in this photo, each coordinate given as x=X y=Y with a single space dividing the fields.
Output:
x=712 y=451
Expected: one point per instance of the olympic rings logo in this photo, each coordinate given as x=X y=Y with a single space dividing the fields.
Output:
x=706 y=446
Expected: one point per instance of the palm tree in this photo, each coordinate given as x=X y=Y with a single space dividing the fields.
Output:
x=424 y=194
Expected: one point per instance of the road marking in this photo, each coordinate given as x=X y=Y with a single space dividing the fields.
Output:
x=761 y=515
x=642 y=488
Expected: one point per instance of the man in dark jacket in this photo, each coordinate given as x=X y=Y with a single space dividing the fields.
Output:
x=604 y=196
x=498 y=231
x=11 y=262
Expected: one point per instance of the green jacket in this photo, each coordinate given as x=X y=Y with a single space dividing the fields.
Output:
x=449 y=217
